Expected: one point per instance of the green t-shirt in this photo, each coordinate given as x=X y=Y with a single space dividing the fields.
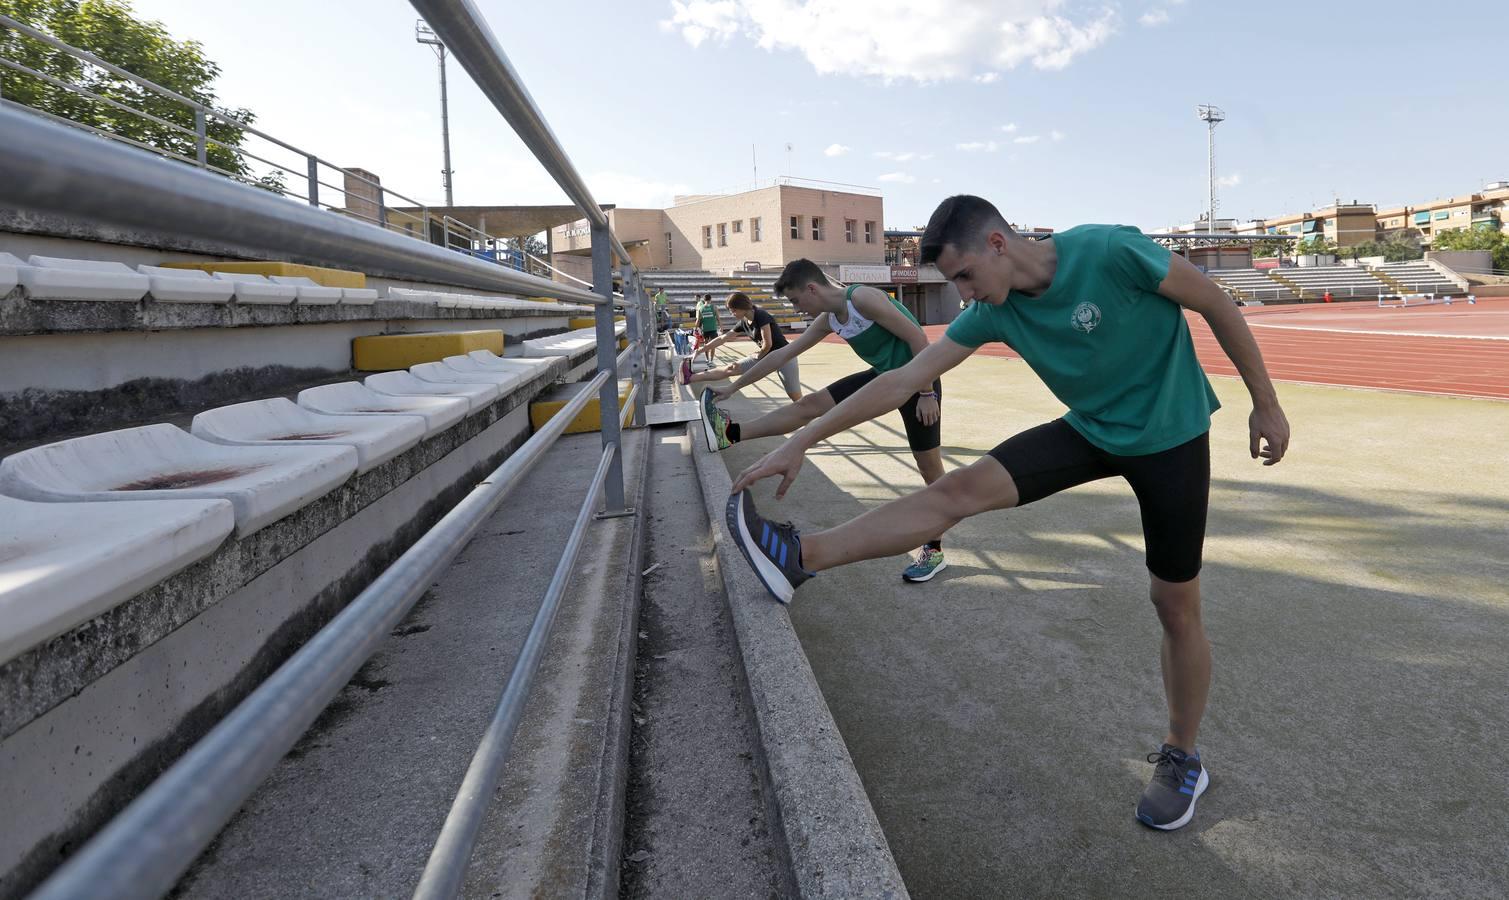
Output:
x=1105 y=342
x=707 y=316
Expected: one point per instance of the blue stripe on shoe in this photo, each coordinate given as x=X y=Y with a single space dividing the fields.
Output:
x=782 y=561
x=1187 y=790
x=765 y=534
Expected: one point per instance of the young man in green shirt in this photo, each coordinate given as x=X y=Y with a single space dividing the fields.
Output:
x=1098 y=313
x=885 y=335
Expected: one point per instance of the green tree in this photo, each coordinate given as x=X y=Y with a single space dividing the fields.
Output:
x=109 y=30
x=1269 y=247
x=1398 y=246
x=1490 y=239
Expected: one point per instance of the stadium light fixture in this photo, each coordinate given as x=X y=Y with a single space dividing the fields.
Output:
x=424 y=34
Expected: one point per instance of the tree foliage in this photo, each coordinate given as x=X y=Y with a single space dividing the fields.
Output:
x=1491 y=239
x=109 y=30
x=1397 y=246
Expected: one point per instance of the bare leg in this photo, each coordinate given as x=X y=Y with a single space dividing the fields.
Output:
x=930 y=465
x=722 y=373
x=788 y=418
x=903 y=525
x=1186 y=657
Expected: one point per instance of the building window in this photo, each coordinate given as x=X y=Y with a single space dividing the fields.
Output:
x=817 y=228
x=738 y=226
x=754 y=229
x=669 y=256
x=848 y=231
x=796 y=228
x=707 y=237
x=722 y=234
x=869 y=232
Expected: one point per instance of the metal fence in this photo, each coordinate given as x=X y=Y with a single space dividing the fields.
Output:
x=144 y=850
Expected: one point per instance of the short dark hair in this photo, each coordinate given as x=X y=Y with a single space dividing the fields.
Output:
x=961 y=221
x=798 y=274
x=740 y=300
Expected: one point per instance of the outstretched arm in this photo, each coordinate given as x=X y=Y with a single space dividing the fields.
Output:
x=777 y=358
x=878 y=308
x=1268 y=428
x=877 y=398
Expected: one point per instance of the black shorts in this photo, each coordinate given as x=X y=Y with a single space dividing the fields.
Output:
x=919 y=437
x=1172 y=487
x=709 y=334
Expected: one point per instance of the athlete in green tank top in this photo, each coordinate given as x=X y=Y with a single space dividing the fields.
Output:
x=882 y=333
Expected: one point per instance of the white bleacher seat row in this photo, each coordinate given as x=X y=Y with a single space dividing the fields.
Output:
x=163 y=462
x=407 y=384
x=258 y=289
x=54 y=278
x=279 y=422
x=354 y=398
x=309 y=293
x=186 y=285
x=62 y=564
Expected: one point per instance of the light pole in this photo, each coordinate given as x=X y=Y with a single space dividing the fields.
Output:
x=1211 y=116
x=425 y=35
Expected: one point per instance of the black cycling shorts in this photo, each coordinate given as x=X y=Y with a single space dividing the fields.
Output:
x=919 y=437
x=1172 y=487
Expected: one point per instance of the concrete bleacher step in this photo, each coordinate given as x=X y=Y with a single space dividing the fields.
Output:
x=440 y=373
x=321 y=275
x=568 y=344
x=258 y=289
x=407 y=384
x=163 y=462
x=54 y=278
x=279 y=422
x=385 y=352
x=186 y=286
x=62 y=564
x=354 y=398
x=505 y=377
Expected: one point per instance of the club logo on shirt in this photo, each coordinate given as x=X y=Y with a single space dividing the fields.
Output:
x=1086 y=317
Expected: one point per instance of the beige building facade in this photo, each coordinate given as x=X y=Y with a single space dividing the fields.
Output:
x=766 y=228
x=1347 y=225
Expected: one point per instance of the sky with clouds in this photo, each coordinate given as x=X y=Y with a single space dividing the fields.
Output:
x=1059 y=111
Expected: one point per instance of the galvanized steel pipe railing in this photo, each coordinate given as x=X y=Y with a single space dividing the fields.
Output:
x=49 y=168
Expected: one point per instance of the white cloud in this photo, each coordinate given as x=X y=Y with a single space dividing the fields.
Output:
x=1027 y=139
x=1153 y=18
x=1009 y=127
x=835 y=150
x=698 y=20
x=1057 y=135
x=899 y=156
x=898 y=177
x=1232 y=180
x=955 y=40
x=987 y=77
x=633 y=191
x=978 y=146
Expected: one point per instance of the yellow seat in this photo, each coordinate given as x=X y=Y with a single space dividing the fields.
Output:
x=544 y=407
x=385 y=352
x=318 y=274
x=587 y=322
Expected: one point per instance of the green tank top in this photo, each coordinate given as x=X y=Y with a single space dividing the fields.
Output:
x=875 y=345
x=707 y=316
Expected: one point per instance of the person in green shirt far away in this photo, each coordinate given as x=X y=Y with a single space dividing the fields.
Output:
x=881 y=332
x=1097 y=312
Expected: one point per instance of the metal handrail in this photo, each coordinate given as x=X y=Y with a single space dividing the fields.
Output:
x=144 y=850
x=472 y=43
x=43 y=163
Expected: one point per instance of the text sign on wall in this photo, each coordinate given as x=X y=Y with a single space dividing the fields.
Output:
x=864 y=274
x=903 y=274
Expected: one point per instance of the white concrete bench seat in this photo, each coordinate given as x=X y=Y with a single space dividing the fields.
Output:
x=62 y=564
x=506 y=377
x=310 y=293
x=359 y=296
x=10 y=273
x=488 y=359
x=54 y=278
x=162 y=462
x=186 y=286
x=354 y=398
x=257 y=289
x=440 y=373
x=280 y=422
x=567 y=344
x=405 y=384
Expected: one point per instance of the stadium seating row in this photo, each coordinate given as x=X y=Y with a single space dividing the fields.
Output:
x=54 y=278
x=69 y=551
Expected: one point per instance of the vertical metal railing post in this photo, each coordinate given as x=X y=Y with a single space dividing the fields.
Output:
x=201 y=142
x=382 y=208
x=607 y=359
x=314 y=182
x=646 y=334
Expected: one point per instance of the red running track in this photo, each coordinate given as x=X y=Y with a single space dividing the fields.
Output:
x=1354 y=356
